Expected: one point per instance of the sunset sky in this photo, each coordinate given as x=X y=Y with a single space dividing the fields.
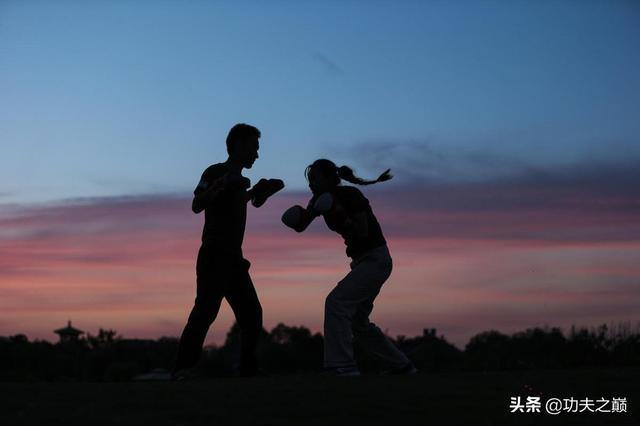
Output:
x=511 y=128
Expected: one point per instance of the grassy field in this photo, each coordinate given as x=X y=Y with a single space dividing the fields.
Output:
x=422 y=399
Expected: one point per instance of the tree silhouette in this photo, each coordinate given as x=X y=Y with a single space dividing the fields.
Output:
x=295 y=350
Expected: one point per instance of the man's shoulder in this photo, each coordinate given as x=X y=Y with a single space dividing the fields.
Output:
x=210 y=175
x=215 y=170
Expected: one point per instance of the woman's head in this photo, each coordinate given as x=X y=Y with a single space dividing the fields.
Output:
x=323 y=175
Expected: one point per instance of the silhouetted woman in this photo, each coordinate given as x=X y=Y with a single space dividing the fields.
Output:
x=347 y=211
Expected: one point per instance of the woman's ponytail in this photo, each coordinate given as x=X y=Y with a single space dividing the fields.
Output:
x=334 y=173
x=347 y=174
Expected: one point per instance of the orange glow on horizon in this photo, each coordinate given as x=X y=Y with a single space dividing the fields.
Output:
x=112 y=269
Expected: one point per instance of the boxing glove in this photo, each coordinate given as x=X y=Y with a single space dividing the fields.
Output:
x=264 y=189
x=293 y=217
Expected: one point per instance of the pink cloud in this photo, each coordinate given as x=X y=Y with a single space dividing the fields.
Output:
x=128 y=264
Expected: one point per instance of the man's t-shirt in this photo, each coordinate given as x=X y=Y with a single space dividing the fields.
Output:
x=353 y=202
x=226 y=216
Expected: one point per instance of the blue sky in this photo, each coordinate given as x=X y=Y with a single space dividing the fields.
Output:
x=124 y=98
x=511 y=128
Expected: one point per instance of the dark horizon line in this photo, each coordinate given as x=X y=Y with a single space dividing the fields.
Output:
x=625 y=327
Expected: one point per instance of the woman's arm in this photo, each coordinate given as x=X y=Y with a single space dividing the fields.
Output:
x=306 y=218
x=355 y=224
x=299 y=218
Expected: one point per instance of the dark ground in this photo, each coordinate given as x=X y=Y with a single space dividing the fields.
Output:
x=434 y=399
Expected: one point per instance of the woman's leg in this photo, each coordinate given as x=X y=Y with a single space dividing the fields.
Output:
x=352 y=300
x=369 y=336
x=375 y=342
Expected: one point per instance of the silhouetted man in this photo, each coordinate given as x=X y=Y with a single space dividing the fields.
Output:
x=221 y=269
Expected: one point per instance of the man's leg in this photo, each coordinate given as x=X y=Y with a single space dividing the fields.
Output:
x=243 y=299
x=211 y=281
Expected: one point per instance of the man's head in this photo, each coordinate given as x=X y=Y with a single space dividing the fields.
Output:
x=242 y=144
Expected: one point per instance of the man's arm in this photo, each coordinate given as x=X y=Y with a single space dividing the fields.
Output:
x=206 y=193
